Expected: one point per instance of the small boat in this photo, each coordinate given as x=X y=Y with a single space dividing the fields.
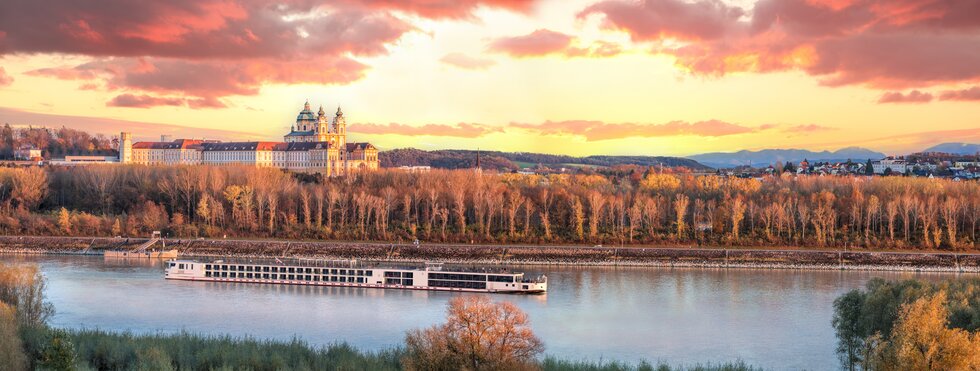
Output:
x=352 y=273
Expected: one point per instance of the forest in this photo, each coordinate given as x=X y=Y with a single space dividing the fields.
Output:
x=910 y=325
x=632 y=206
x=465 y=159
x=54 y=142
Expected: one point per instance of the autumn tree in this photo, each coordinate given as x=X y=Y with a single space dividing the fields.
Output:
x=29 y=186
x=478 y=335
x=22 y=287
x=738 y=213
x=64 y=221
x=921 y=340
x=578 y=218
x=680 y=210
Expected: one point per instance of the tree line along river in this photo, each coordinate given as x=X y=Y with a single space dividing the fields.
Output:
x=776 y=319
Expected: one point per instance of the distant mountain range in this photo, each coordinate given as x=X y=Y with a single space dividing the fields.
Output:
x=955 y=148
x=766 y=157
x=462 y=159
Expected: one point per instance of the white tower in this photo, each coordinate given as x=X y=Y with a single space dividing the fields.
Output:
x=340 y=127
x=125 y=148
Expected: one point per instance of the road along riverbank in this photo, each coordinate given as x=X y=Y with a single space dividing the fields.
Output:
x=518 y=255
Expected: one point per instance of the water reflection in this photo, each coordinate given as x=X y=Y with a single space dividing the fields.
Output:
x=771 y=318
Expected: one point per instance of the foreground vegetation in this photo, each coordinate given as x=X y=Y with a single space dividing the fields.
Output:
x=912 y=324
x=478 y=335
x=623 y=205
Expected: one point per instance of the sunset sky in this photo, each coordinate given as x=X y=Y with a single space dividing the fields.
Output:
x=654 y=77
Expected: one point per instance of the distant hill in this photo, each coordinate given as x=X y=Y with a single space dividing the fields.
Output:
x=461 y=159
x=766 y=157
x=955 y=148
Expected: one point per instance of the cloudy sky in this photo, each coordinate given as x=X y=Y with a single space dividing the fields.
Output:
x=653 y=77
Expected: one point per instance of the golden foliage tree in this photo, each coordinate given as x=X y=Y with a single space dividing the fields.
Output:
x=478 y=335
x=921 y=340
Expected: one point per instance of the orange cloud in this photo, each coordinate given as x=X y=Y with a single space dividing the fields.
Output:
x=807 y=128
x=461 y=130
x=598 y=130
x=589 y=130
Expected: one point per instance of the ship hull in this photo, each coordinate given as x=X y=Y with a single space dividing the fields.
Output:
x=352 y=285
x=354 y=274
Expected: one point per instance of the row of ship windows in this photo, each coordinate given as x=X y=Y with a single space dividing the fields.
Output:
x=470 y=277
x=287 y=277
x=250 y=268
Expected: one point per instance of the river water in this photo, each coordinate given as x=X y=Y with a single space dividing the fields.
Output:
x=777 y=319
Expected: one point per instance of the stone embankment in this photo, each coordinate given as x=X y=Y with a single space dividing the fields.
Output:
x=536 y=255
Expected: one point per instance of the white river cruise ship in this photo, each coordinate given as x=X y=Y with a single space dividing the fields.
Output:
x=352 y=273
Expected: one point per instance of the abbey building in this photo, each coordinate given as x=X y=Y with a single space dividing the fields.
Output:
x=315 y=144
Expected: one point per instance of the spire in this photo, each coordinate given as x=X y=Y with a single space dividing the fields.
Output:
x=306 y=107
x=321 y=111
x=339 y=112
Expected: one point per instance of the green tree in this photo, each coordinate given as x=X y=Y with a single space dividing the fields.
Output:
x=848 y=326
x=153 y=359
x=59 y=354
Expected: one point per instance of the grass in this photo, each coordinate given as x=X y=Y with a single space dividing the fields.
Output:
x=102 y=350
x=554 y=364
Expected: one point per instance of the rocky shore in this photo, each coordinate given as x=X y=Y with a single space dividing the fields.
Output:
x=520 y=255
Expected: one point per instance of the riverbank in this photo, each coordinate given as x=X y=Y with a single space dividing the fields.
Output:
x=519 y=255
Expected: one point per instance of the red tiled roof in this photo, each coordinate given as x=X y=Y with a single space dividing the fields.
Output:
x=150 y=145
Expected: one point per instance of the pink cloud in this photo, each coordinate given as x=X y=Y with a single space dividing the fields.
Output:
x=206 y=80
x=970 y=94
x=148 y=101
x=467 y=62
x=208 y=49
x=598 y=130
x=658 y=19
x=537 y=43
x=446 y=9
x=849 y=42
x=913 y=96
x=545 y=42
x=5 y=79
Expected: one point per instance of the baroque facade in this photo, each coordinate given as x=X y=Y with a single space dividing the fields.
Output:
x=314 y=144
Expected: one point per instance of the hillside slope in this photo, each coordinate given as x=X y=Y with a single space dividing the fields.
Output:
x=457 y=159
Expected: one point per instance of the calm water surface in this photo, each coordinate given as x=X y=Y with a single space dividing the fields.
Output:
x=778 y=319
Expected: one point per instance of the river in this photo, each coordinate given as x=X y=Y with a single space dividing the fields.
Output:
x=777 y=319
